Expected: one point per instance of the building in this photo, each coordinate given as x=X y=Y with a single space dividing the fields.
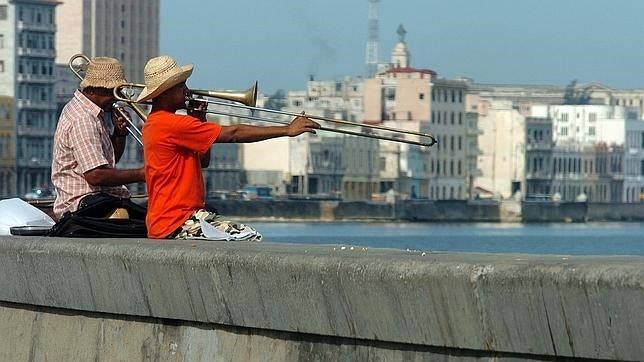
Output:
x=502 y=141
x=27 y=54
x=122 y=29
x=586 y=152
x=450 y=162
x=404 y=97
x=323 y=166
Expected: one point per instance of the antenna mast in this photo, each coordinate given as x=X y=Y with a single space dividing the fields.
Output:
x=372 y=41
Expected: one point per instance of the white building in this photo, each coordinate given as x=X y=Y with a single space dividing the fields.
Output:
x=27 y=53
x=502 y=144
x=331 y=163
x=613 y=128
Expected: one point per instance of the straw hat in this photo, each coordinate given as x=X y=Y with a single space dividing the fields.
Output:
x=161 y=74
x=103 y=72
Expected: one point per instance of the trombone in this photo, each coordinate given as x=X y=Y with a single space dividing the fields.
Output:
x=132 y=128
x=248 y=98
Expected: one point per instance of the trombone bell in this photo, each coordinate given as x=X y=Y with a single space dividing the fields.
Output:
x=247 y=97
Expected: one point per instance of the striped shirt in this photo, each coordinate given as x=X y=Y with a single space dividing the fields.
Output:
x=81 y=143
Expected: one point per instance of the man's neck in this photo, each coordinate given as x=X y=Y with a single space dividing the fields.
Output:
x=158 y=106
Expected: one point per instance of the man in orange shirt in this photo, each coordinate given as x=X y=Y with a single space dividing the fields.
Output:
x=176 y=147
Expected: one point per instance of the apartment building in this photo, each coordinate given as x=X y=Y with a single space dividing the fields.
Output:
x=123 y=29
x=27 y=54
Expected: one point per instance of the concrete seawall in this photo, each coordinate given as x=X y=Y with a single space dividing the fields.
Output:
x=81 y=299
x=432 y=211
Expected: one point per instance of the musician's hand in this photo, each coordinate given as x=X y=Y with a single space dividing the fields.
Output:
x=119 y=120
x=197 y=108
x=301 y=124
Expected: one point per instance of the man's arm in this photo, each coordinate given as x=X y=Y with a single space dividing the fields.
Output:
x=118 y=138
x=242 y=133
x=107 y=176
x=118 y=142
x=205 y=158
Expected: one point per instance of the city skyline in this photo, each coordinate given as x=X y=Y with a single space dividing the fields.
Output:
x=281 y=44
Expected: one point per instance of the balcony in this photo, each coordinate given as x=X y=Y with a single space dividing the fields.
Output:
x=538 y=147
x=538 y=175
x=33 y=131
x=36 y=53
x=32 y=104
x=34 y=78
x=23 y=25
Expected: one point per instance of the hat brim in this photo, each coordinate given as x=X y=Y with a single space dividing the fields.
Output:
x=107 y=84
x=149 y=93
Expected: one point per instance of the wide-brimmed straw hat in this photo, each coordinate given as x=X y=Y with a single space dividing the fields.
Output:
x=103 y=72
x=162 y=73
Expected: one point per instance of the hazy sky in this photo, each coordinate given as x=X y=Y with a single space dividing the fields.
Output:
x=279 y=43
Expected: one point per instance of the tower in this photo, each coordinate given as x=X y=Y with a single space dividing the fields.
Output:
x=371 y=57
x=400 y=54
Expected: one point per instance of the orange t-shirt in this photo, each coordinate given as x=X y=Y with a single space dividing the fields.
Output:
x=172 y=145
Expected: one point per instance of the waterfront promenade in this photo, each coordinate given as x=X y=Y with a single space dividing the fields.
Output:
x=107 y=299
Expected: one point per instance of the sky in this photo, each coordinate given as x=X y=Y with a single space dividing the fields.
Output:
x=281 y=43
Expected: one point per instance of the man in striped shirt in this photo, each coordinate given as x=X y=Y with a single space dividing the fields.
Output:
x=85 y=154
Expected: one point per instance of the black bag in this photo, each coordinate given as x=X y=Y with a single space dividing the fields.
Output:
x=90 y=220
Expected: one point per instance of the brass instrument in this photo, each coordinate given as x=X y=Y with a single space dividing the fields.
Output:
x=248 y=100
x=132 y=128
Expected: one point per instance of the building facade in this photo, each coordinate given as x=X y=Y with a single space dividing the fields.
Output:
x=503 y=149
x=27 y=54
x=122 y=29
x=589 y=153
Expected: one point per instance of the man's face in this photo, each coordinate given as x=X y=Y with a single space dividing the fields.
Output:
x=103 y=97
x=176 y=96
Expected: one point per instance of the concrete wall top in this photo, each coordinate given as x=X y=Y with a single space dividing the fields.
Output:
x=544 y=305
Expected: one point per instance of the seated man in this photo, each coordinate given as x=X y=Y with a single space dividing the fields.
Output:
x=85 y=154
x=176 y=145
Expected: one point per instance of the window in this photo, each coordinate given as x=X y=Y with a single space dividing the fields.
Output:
x=390 y=94
x=564 y=117
x=591 y=131
x=1 y=66
x=421 y=96
x=3 y=12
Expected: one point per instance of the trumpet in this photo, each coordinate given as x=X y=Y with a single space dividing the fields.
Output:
x=247 y=100
x=132 y=128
